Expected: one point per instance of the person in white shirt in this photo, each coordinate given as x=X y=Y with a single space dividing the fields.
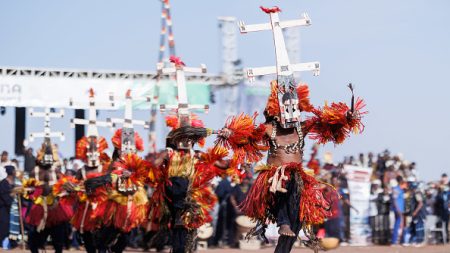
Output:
x=3 y=162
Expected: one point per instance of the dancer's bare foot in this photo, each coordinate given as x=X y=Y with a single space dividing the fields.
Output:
x=286 y=231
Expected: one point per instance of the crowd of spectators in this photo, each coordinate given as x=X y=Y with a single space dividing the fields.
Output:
x=400 y=202
x=402 y=207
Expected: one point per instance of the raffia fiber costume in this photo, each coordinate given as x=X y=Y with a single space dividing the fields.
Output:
x=183 y=198
x=48 y=213
x=286 y=194
x=91 y=151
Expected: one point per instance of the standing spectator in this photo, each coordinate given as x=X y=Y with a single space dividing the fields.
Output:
x=384 y=207
x=333 y=225
x=381 y=167
x=65 y=166
x=30 y=161
x=362 y=161
x=222 y=191
x=341 y=185
x=14 y=162
x=443 y=205
x=444 y=179
x=371 y=162
x=419 y=213
x=389 y=175
x=6 y=200
x=408 y=195
x=398 y=206
x=237 y=196
x=413 y=170
x=351 y=160
x=3 y=162
x=430 y=199
x=14 y=226
x=373 y=210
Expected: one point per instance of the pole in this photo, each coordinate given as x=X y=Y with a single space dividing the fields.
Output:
x=22 y=231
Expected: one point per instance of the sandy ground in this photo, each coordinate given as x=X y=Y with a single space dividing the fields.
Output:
x=346 y=249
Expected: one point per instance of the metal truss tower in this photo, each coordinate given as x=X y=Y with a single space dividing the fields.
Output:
x=292 y=38
x=231 y=72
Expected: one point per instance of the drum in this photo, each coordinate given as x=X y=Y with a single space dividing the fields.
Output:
x=244 y=225
x=205 y=232
x=329 y=243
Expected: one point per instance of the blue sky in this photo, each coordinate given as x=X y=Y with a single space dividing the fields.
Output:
x=397 y=53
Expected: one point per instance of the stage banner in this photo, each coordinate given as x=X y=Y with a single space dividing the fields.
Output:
x=23 y=91
x=358 y=179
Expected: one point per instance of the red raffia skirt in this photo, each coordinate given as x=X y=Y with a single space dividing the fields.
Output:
x=261 y=199
x=84 y=219
x=122 y=212
x=57 y=213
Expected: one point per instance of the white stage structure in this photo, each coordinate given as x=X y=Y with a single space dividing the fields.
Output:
x=34 y=87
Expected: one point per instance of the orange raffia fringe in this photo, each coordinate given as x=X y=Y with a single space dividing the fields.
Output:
x=260 y=202
x=272 y=106
x=314 y=208
x=172 y=121
x=332 y=123
x=132 y=162
x=126 y=218
x=66 y=198
x=117 y=140
x=58 y=188
x=82 y=147
x=126 y=212
x=303 y=96
x=202 y=200
x=205 y=169
x=159 y=213
x=245 y=140
x=97 y=201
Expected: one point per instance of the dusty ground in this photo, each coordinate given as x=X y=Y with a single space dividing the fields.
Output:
x=347 y=249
